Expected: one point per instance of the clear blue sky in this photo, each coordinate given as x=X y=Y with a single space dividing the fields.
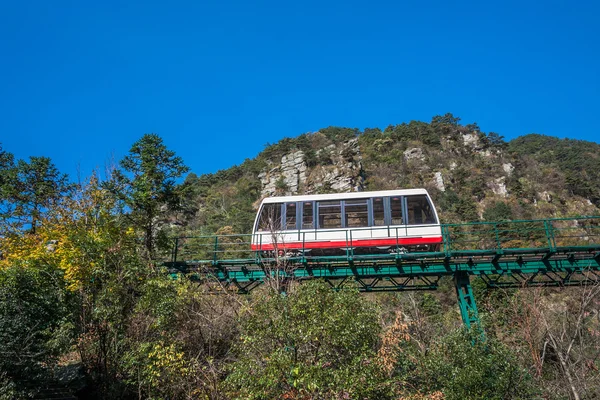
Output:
x=80 y=81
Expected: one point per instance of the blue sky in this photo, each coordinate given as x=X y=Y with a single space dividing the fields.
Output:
x=80 y=81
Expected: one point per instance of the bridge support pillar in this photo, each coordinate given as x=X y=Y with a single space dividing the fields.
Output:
x=466 y=300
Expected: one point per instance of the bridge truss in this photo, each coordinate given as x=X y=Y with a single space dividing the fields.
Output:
x=509 y=254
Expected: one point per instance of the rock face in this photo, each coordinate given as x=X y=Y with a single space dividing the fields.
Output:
x=498 y=186
x=438 y=181
x=545 y=196
x=286 y=177
x=471 y=140
x=416 y=153
x=508 y=168
x=293 y=176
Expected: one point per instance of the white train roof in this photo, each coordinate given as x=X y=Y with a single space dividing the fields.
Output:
x=344 y=196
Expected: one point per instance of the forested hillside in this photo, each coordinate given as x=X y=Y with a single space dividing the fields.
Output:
x=470 y=174
x=88 y=310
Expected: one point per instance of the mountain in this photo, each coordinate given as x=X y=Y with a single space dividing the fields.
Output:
x=471 y=175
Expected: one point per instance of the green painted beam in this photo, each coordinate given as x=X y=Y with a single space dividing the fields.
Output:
x=436 y=267
x=466 y=299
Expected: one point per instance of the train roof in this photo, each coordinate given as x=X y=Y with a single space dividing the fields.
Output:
x=344 y=196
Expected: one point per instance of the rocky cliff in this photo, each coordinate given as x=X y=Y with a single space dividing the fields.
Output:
x=341 y=172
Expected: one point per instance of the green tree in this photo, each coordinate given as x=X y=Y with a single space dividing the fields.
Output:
x=496 y=141
x=463 y=367
x=498 y=211
x=7 y=165
x=312 y=343
x=147 y=185
x=447 y=118
x=32 y=310
x=30 y=189
x=7 y=169
x=337 y=134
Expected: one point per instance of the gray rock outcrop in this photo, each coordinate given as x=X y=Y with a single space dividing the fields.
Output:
x=438 y=181
x=287 y=176
x=292 y=175
x=415 y=153
x=498 y=186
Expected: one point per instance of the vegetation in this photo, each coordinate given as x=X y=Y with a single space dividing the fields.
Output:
x=146 y=184
x=30 y=188
x=293 y=346
x=82 y=287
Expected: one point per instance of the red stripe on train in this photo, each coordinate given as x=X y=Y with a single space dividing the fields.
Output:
x=354 y=243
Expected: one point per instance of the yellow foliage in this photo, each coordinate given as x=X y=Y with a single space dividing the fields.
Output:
x=165 y=365
x=76 y=237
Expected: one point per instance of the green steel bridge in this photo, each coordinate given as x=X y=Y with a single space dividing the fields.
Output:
x=508 y=254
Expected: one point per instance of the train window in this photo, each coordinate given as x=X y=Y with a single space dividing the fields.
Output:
x=307 y=215
x=270 y=217
x=330 y=214
x=290 y=215
x=396 y=210
x=378 y=212
x=357 y=213
x=419 y=210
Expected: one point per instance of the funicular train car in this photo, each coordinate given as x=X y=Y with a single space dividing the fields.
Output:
x=365 y=222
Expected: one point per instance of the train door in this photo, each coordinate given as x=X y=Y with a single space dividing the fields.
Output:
x=357 y=220
x=308 y=231
x=421 y=217
x=397 y=218
x=329 y=221
x=289 y=221
x=379 y=217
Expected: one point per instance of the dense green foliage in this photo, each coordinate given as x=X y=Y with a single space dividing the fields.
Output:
x=312 y=343
x=578 y=160
x=479 y=369
x=29 y=188
x=34 y=327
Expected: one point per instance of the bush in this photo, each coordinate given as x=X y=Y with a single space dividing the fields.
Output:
x=462 y=366
x=32 y=309
x=498 y=211
x=312 y=343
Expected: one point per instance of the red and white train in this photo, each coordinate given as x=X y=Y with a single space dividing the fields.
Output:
x=381 y=221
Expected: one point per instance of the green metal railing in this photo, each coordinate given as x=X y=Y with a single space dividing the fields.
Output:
x=458 y=240
x=549 y=252
x=213 y=248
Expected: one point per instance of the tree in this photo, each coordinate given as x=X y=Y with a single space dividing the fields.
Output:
x=147 y=185
x=496 y=141
x=103 y=269
x=463 y=367
x=562 y=340
x=7 y=165
x=337 y=134
x=313 y=342
x=181 y=338
x=32 y=308
x=30 y=189
x=498 y=211
x=447 y=118
x=7 y=169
